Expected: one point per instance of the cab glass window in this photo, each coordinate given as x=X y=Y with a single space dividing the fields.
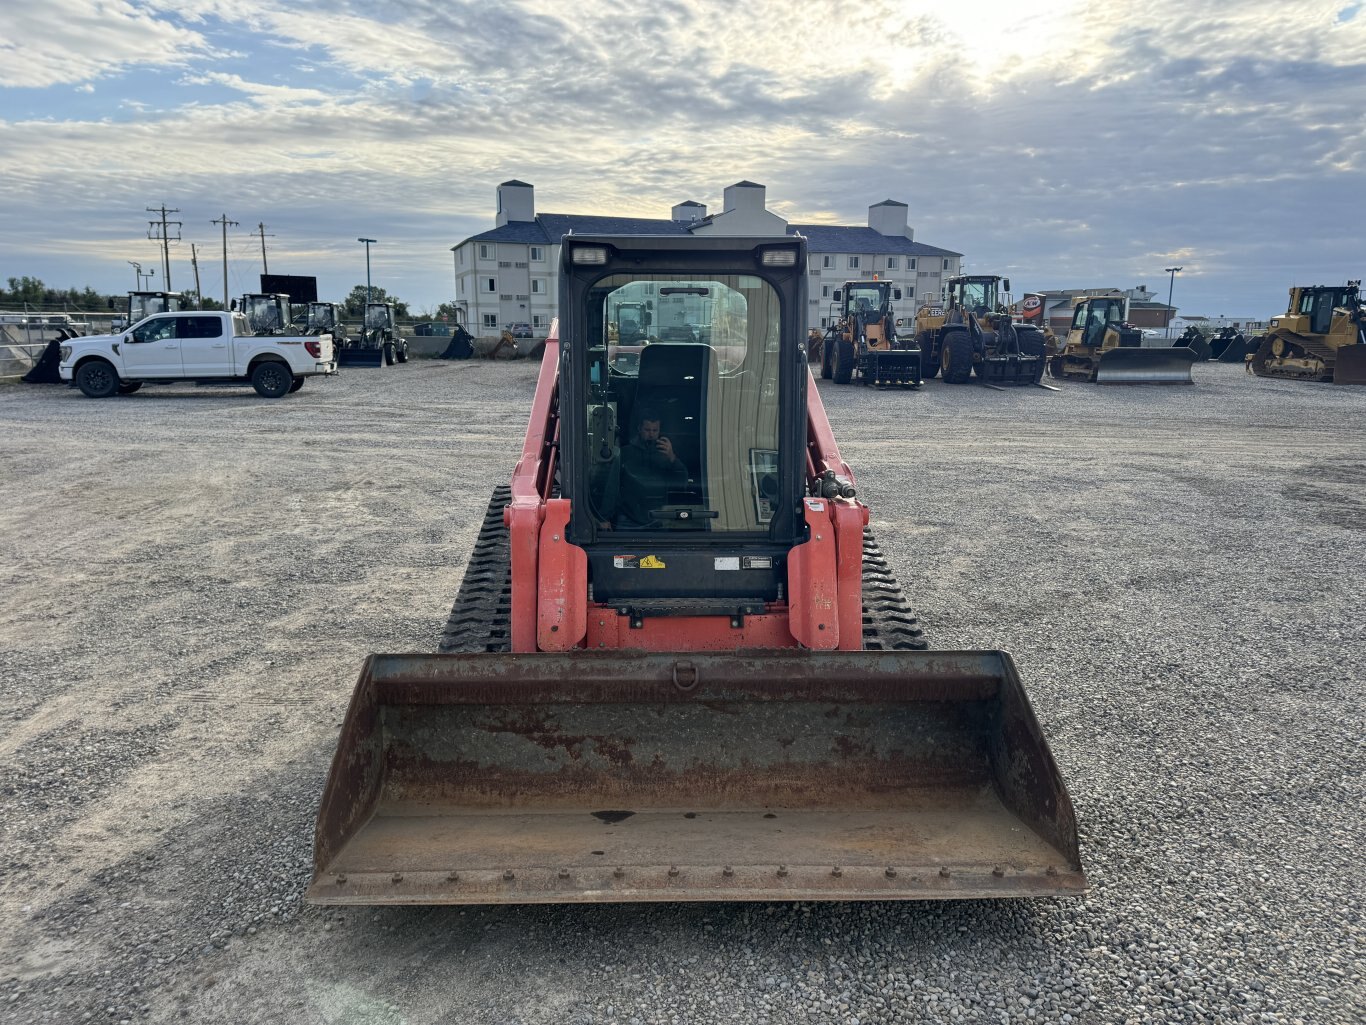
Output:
x=155 y=330
x=201 y=327
x=682 y=418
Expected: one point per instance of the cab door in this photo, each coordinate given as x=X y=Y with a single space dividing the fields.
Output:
x=152 y=348
x=204 y=349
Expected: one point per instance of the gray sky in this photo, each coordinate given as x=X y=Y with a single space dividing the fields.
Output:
x=1065 y=144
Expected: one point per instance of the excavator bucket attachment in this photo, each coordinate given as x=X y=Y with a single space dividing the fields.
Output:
x=633 y=776
x=1349 y=367
x=1134 y=365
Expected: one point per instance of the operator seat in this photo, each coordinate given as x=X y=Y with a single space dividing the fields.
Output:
x=675 y=380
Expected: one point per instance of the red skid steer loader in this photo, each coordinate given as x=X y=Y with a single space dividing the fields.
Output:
x=678 y=667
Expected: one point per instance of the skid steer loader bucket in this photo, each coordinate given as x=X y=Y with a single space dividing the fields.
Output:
x=1349 y=366
x=1134 y=365
x=504 y=779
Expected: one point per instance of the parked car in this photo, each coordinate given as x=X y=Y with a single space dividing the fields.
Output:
x=520 y=330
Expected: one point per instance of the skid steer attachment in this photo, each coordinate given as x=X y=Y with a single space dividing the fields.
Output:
x=1145 y=366
x=627 y=776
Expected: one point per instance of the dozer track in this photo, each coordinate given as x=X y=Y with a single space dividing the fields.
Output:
x=480 y=618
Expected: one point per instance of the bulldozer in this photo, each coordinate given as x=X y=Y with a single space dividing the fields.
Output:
x=1103 y=347
x=861 y=340
x=1320 y=337
x=678 y=667
x=971 y=333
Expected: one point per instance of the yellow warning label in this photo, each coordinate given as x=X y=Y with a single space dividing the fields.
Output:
x=652 y=562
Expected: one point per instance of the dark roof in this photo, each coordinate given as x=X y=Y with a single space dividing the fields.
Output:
x=689 y=202
x=559 y=225
x=820 y=238
x=746 y=185
x=888 y=202
x=514 y=231
x=519 y=184
x=837 y=238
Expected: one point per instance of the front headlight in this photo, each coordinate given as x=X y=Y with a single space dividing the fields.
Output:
x=66 y=353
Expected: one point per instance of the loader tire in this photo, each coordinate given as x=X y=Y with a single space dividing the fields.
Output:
x=929 y=367
x=481 y=618
x=889 y=624
x=955 y=358
x=388 y=354
x=827 y=357
x=843 y=362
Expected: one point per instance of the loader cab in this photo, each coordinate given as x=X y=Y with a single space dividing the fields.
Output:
x=977 y=295
x=266 y=313
x=684 y=459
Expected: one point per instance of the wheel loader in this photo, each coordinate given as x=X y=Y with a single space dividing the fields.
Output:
x=861 y=342
x=1103 y=347
x=678 y=668
x=1320 y=337
x=970 y=333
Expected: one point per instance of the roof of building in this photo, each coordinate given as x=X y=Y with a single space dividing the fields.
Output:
x=519 y=184
x=889 y=202
x=838 y=238
x=746 y=185
x=689 y=202
x=820 y=238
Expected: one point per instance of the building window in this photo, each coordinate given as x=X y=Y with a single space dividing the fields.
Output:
x=537 y=254
x=853 y=263
x=910 y=264
x=462 y=286
x=537 y=286
x=460 y=255
x=490 y=320
x=947 y=264
x=538 y=321
x=483 y=252
x=827 y=261
x=490 y=284
x=893 y=263
x=910 y=295
x=825 y=291
x=825 y=322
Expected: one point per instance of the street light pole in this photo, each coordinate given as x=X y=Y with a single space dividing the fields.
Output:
x=137 y=274
x=368 y=291
x=1170 y=285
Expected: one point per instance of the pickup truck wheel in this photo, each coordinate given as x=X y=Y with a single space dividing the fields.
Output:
x=298 y=383
x=271 y=379
x=130 y=387
x=97 y=379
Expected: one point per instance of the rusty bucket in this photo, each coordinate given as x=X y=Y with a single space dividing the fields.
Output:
x=629 y=776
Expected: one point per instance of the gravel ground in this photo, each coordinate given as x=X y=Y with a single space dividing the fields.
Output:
x=191 y=578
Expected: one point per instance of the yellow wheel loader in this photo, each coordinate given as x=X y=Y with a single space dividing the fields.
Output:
x=862 y=342
x=679 y=669
x=1102 y=347
x=971 y=333
x=1320 y=337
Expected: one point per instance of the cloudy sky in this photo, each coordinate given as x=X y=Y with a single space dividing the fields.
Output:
x=1062 y=143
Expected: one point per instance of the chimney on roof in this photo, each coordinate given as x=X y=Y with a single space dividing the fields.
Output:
x=743 y=197
x=688 y=211
x=516 y=202
x=889 y=218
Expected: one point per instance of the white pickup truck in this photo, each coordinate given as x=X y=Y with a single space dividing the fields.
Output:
x=194 y=346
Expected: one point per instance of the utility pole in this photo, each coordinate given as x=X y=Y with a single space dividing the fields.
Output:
x=368 y=291
x=161 y=233
x=194 y=262
x=1170 y=285
x=261 y=228
x=223 y=220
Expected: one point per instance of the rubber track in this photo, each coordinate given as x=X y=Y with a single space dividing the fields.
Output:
x=481 y=616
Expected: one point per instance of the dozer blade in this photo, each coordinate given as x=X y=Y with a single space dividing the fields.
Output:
x=1349 y=366
x=1146 y=366
x=632 y=776
x=360 y=357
